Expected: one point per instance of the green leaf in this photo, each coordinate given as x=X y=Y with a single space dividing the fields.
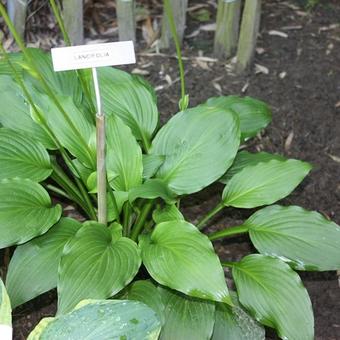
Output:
x=151 y=163
x=235 y=323
x=124 y=155
x=100 y=319
x=264 y=183
x=43 y=254
x=177 y=255
x=152 y=189
x=5 y=307
x=186 y=318
x=304 y=239
x=15 y=113
x=145 y=291
x=244 y=159
x=25 y=211
x=199 y=145
x=168 y=213
x=15 y=59
x=95 y=264
x=76 y=133
x=275 y=296
x=62 y=83
x=127 y=97
x=20 y=156
x=121 y=197
x=254 y=114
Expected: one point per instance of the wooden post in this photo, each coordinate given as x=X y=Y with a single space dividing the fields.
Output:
x=73 y=18
x=17 y=13
x=227 y=28
x=248 y=35
x=126 y=19
x=179 y=9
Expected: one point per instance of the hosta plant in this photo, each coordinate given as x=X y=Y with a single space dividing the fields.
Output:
x=148 y=251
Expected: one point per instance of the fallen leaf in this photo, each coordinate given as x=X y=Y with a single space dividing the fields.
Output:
x=278 y=33
x=289 y=141
x=261 y=69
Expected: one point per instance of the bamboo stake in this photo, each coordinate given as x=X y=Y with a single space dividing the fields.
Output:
x=248 y=35
x=227 y=29
x=179 y=9
x=101 y=163
x=17 y=13
x=126 y=19
x=73 y=18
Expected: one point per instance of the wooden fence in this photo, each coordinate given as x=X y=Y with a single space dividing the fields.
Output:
x=237 y=25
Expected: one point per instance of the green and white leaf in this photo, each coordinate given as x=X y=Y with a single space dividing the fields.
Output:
x=179 y=256
x=25 y=211
x=95 y=264
x=199 y=145
x=126 y=97
x=168 y=213
x=254 y=114
x=186 y=318
x=244 y=159
x=304 y=239
x=101 y=319
x=20 y=156
x=274 y=294
x=33 y=269
x=15 y=113
x=124 y=155
x=264 y=183
x=151 y=189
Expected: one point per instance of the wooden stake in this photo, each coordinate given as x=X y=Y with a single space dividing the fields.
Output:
x=17 y=13
x=227 y=28
x=179 y=9
x=248 y=35
x=126 y=19
x=73 y=18
x=101 y=154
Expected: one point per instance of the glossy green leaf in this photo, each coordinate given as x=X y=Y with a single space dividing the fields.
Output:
x=5 y=307
x=254 y=114
x=25 y=211
x=62 y=83
x=151 y=163
x=22 y=157
x=101 y=319
x=15 y=59
x=74 y=133
x=145 y=291
x=169 y=213
x=199 y=145
x=121 y=197
x=244 y=159
x=15 y=113
x=186 y=318
x=235 y=323
x=95 y=264
x=43 y=254
x=124 y=155
x=275 y=295
x=152 y=189
x=264 y=183
x=304 y=239
x=126 y=97
x=179 y=256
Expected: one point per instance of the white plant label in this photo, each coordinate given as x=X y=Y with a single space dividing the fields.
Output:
x=91 y=56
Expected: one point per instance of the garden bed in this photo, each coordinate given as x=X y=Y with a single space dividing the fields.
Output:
x=299 y=76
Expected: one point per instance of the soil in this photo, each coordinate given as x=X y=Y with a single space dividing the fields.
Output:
x=300 y=79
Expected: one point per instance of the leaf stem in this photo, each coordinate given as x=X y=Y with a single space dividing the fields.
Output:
x=58 y=191
x=228 y=264
x=231 y=231
x=126 y=218
x=201 y=224
x=140 y=223
x=172 y=26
